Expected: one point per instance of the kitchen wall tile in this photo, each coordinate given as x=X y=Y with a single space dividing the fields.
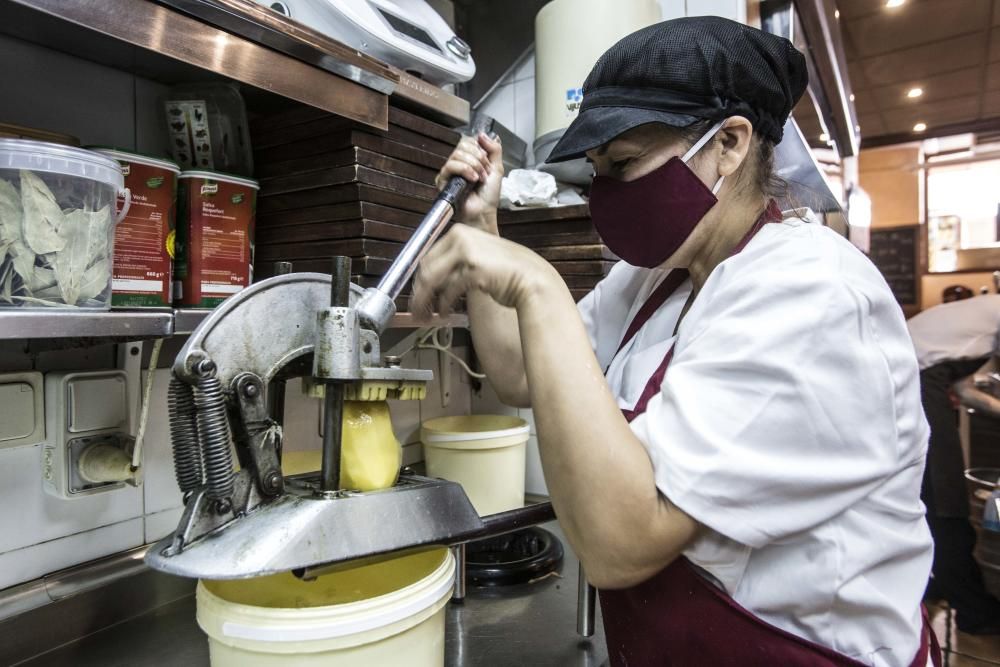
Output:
x=159 y=483
x=41 y=559
x=406 y=420
x=524 y=111
x=301 y=429
x=103 y=109
x=413 y=453
x=500 y=104
x=673 y=9
x=534 y=480
x=526 y=68
x=527 y=415
x=32 y=516
x=459 y=401
x=730 y=9
x=161 y=524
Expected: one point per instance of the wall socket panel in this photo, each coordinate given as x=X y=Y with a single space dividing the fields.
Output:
x=22 y=410
x=81 y=409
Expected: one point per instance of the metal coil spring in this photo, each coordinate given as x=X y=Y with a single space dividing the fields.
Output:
x=184 y=435
x=213 y=431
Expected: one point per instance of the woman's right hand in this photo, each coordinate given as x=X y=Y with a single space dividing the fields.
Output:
x=480 y=161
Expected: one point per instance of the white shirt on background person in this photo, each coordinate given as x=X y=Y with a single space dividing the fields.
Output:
x=965 y=329
x=789 y=424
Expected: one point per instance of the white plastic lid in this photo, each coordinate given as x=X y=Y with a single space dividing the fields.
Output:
x=122 y=156
x=471 y=428
x=40 y=156
x=219 y=176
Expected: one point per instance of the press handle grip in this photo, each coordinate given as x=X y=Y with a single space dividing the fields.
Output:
x=456 y=187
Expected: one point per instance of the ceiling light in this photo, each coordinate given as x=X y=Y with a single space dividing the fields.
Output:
x=920 y=127
x=824 y=137
x=852 y=97
x=894 y=3
x=914 y=92
x=836 y=13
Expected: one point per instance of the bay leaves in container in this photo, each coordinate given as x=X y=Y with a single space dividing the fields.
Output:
x=43 y=219
x=82 y=269
x=6 y=282
x=11 y=214
x=41 y=279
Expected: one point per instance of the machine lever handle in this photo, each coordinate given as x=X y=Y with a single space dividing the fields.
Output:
x=377 y=307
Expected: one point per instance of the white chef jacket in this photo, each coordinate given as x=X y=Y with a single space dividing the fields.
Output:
x=789 y=424
x=965 y=329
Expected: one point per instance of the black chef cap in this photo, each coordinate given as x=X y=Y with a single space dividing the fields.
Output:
x=681 y=71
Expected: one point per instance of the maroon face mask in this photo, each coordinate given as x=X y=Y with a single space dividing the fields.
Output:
x=646 y=220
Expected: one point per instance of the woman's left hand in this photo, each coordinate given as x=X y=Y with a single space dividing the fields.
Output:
x=468 y=259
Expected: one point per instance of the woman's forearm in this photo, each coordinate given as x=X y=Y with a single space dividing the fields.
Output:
x=599 y=475
x=497 y=341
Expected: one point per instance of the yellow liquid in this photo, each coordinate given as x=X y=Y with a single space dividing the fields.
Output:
x=285 y=591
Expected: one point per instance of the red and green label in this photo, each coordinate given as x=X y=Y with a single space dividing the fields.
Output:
x=214 y=240
x=144 y=239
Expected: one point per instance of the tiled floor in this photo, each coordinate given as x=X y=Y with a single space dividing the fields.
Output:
x=963 y=650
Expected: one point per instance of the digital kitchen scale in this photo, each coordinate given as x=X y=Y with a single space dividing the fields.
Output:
x=406 y=33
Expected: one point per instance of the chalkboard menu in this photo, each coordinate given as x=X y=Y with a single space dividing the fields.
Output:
x=894 y=250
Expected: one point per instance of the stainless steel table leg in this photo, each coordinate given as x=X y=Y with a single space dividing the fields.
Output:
x=586 y=606
x=459 y=552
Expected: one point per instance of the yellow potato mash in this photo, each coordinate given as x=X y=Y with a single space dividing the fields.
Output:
x=370 y=453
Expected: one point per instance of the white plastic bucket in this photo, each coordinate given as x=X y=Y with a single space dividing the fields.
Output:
x=386 y=614
x=483 y=453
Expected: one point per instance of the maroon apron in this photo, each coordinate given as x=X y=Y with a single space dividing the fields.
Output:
x=678 y=617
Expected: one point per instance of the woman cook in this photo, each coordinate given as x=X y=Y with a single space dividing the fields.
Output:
x=730 y=423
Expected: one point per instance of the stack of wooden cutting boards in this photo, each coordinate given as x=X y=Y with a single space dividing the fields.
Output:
x=331 y=187
x=566 y=237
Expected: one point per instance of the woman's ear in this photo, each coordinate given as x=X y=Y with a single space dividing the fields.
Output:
x=734 y=138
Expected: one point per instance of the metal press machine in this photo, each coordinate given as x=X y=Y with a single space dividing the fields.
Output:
x=254 y=521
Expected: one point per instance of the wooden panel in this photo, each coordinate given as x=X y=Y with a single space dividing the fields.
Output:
x=901 y=157
x=341 y=194
x=927 y=60
x=907 y=27
x=942 y=112
x=892 y=179
x=941 y=87
x=933 y=284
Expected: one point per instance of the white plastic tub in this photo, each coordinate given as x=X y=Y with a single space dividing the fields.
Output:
x=57 y=221
x=483 y=453
x=388 y=614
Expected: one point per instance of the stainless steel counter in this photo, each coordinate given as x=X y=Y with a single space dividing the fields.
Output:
x=533 y=624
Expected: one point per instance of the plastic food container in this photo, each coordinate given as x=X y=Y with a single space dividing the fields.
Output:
x=214 y=247
x=388 y=614
x=57 y=220
x=483 y=453
x=144 y=240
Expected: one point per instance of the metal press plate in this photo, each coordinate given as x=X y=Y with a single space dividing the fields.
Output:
x=300 y=530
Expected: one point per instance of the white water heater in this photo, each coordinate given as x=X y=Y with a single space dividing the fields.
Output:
x=570 y=35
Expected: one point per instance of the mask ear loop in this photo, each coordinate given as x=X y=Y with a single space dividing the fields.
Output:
x=698 y=145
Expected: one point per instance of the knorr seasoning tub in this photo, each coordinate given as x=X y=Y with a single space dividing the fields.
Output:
x=144 y=240
x=214 y=249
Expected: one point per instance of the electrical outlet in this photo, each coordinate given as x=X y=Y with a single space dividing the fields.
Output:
x=22 y=414
x=83 y=410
